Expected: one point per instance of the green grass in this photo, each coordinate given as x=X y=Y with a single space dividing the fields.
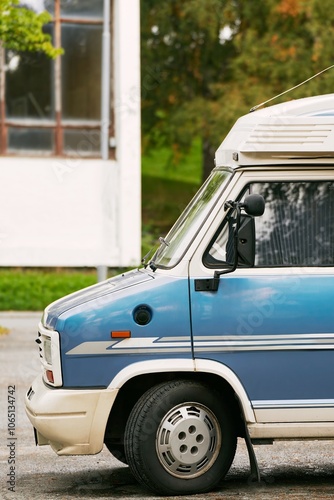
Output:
x=163 y=200
x=189 y=169
x=165 y=193
x=32 y=290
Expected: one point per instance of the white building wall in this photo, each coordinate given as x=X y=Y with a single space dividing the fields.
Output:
x=77 y=211
x=127 y=117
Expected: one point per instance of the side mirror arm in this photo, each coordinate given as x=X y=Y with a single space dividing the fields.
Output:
x=237 y=206
x=254 y=206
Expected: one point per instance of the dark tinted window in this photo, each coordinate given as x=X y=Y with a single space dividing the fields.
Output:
x=297 y=228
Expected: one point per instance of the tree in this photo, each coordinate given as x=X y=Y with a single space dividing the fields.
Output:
x=278 y=44
x=182 y=58
x=21 y=29
x=206 y=62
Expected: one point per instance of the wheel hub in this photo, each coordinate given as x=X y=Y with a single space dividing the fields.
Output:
x=188 y=440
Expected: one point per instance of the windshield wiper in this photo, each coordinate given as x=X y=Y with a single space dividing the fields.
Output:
x=144 y=259
x=152 y=265
x=162 y=240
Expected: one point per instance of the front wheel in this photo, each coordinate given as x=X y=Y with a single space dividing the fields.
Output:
x=180 y=438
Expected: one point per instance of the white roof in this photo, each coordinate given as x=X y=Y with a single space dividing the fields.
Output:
x=299 y=131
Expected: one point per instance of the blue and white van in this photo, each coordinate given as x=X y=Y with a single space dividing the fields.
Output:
x=227 y=332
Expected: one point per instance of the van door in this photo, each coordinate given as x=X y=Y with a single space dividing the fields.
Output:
x=273 y=324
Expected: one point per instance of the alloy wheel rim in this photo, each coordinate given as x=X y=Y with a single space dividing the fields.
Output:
x=188 y=440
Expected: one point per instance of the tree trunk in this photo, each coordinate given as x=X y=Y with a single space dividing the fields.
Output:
x=208 y=155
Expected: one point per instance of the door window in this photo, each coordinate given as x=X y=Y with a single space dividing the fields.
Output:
x=297 y=228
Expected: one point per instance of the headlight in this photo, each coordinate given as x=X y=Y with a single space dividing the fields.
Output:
x=47 y=351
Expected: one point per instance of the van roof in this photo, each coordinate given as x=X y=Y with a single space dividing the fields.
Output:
x=295 y=132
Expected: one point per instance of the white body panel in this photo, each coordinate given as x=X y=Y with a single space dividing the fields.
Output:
x=301 y=131
x=74 y=421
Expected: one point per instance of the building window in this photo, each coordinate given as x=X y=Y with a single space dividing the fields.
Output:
x=54 y=107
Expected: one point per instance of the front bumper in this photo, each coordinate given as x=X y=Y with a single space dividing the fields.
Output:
x=71 y=421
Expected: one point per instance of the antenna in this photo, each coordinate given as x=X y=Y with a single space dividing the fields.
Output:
x=289 y=90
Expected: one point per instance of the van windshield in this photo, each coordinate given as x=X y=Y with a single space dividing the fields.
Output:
x=177 y=241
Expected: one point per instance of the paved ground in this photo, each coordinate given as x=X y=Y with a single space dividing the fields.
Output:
x=289 y=470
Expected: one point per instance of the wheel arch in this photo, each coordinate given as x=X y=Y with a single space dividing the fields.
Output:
x=134 y=380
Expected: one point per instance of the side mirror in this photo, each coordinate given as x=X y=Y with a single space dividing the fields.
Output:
x=246 y=241
x=243 y=232
x=254 y=205
x=241 y=241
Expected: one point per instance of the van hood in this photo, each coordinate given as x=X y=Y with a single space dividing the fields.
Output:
x=129 y=279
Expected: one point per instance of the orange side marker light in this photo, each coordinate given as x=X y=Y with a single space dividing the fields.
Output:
x=123 y=334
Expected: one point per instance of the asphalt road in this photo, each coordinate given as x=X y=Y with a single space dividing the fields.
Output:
x=293 y=470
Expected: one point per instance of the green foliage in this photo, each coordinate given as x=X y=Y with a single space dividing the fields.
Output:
x=157 y=163
x=165 y=199
x=278 y=44
x=26 y=289
x=165 y=193
x=21 y=29
x=206 y=62
x=182 y=56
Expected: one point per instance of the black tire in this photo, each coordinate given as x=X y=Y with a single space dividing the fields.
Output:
x=180 y=438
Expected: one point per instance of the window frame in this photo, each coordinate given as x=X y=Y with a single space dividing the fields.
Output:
x=246 y=189
x=57 y=124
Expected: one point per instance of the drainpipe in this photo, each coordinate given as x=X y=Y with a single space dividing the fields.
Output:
x=105 y=82
x=102 y=271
